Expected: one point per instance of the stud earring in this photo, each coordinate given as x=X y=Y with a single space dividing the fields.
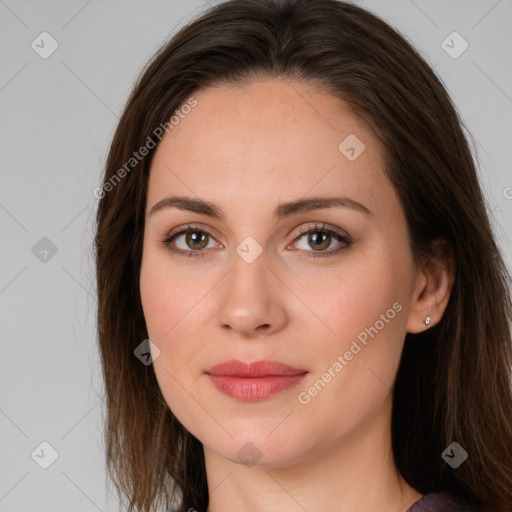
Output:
x=427 y=321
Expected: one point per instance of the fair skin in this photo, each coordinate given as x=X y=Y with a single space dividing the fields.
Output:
x=247 y=149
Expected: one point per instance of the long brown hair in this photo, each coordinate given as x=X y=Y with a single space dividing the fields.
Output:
x=453 y=382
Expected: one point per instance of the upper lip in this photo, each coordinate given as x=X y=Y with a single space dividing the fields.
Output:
x=235 y=368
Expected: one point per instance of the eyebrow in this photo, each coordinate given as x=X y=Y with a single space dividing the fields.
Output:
x=281 y=211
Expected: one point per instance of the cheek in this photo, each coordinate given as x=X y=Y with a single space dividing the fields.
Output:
x=354 y=373
x=363 y=315
x=354 y=298
x=166 y=295
x=169 y=301
x=165 y=311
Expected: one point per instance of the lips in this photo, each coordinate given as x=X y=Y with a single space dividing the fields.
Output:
x=234 y=368
x=254 y=380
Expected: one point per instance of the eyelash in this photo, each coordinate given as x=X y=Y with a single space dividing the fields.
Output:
x=315 y=228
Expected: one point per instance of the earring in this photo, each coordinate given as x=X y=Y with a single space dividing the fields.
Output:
x=427 y=321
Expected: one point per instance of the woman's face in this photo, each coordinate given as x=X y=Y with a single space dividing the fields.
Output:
x=262 y=281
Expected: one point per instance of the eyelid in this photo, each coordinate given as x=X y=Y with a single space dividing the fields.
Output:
x=188 y=227
x=346 y=239
x=182 y=230
x=322 y=226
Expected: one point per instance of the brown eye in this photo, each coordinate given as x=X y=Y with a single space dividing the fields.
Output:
x=192 y=241
x=319 y=239
x=189 y=241
x=196 y=239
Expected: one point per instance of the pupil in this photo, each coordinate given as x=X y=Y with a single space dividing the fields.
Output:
x=197 y=238
x=318 y=239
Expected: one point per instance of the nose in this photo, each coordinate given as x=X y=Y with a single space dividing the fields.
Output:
x=251 y=300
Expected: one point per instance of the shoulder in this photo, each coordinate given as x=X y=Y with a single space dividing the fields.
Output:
x=438 y=502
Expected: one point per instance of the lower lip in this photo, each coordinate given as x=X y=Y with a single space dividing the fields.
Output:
x=254 y=388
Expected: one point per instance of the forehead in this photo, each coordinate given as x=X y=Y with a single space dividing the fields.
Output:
x=269 y=138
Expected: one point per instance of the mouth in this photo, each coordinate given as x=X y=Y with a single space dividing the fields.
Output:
x=256 y=380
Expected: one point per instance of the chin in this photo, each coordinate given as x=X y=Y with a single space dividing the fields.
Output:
x=251 y=445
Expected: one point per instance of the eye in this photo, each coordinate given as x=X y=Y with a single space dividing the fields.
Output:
x=195 y=239
x=193 y=243
x=320 y=238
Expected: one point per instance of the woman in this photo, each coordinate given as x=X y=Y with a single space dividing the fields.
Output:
x=301 y=302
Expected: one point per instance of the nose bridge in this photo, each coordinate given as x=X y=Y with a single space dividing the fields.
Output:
x=249 y=298
x=250 y=269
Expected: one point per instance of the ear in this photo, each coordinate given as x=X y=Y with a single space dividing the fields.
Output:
x=433 y=288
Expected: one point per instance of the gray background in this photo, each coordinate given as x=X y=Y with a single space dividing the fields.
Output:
x=57 y=118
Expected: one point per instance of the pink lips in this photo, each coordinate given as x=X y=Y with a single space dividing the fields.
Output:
x=254 y=381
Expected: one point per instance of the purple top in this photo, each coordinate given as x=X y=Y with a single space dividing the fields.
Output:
x=438 y=502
